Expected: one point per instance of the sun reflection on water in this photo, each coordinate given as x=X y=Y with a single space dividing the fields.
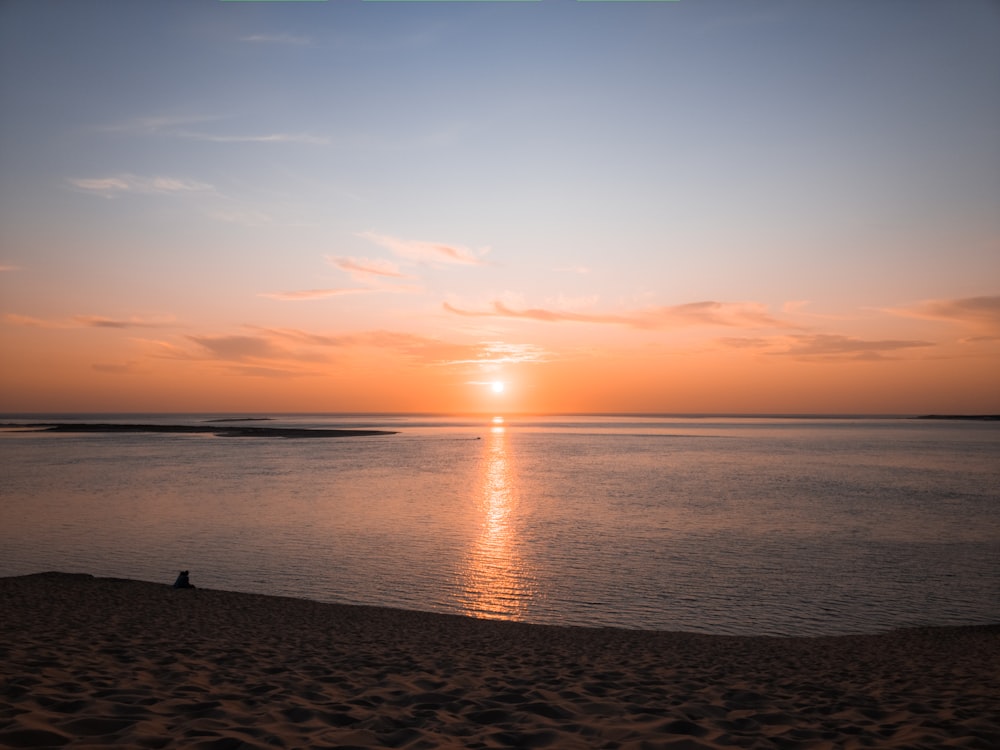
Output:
x=496 y=581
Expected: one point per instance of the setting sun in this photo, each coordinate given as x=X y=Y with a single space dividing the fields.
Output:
x=497 y=386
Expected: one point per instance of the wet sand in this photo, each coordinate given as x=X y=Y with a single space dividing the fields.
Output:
x=90 y=662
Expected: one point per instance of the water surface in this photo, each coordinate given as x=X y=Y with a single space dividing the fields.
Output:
x=768 y=526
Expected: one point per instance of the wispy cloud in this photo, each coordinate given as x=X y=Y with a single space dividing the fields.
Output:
x=282 y=38
x=158 y=123
x=122 y=184
x=420 y=251
x=98 y=321
x=179 y=126
x=977 y=312
x=89 y=321
x=732 y=314
x=302 y=295
x=307 y=138
x=496 y=353
x=257 y=350
x=826 y=346
x=247 y=217
x=126 y=368
x=423 y=349
x=581 y=270
x=364 y=269
x=258 y=371
x=16 y=319
x=241 y=348
x=4 y=268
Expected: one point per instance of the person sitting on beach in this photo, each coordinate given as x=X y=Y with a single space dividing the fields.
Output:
x=182 y=581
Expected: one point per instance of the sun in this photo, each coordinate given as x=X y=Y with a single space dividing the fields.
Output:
x=497 y=386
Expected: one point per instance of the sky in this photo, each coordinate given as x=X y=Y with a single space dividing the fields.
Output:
x=699 y=206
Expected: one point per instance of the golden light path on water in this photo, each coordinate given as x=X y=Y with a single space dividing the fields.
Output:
x=496 y=581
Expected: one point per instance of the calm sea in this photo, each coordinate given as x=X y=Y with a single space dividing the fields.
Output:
x=715 y=525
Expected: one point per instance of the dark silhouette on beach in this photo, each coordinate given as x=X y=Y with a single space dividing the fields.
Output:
x=183 y=582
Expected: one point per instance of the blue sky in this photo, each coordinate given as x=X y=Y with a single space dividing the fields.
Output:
x=206 y=162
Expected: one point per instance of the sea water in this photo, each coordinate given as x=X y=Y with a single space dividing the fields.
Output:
x=717 y=525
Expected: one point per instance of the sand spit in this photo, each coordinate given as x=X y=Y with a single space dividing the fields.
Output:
x=90 y=662
x=218 y=430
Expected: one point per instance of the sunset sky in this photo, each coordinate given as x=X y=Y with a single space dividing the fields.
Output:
x=726 y=206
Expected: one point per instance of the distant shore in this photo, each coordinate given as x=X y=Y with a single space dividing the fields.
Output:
x=219 y=430
x=968 y=417
x=89 y=662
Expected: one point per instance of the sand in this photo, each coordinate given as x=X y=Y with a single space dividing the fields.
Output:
x=90 y=662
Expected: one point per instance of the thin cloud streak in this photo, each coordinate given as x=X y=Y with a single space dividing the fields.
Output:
x=177 y=126
x=98 y=321
x=495 y=353
x=306 y=138
x=121 y=184
x=128 y=368
x=312 y=294
x=426 y=252
x=363 y=269
x=981 y=312
x=289 y=349
x=88 y=321
x=825 y=346
x=158 y=124
x=283 y=38
x=731 y=314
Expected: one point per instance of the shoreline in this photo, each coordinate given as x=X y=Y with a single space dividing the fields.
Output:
x=90 y=661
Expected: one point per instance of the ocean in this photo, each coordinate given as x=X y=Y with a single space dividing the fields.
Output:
x=725 y=525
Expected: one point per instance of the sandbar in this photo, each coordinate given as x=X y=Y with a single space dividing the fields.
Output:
x=215 y=429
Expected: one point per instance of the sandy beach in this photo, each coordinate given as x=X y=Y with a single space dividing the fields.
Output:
x=90 y=662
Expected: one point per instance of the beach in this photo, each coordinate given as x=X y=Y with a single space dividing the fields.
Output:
x=94 y=662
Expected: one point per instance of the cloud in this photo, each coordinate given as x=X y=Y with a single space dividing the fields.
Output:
x=129 y=183
x=283 y=38
x=4 y=268
x=294 y=344
x=97 y=321
x=307 y=138
x=88 y=321
x=26 y=320
x=733 y=314
x=256 y=371
x=240 y=348
x=310 y=294
x=117 y=369
x=495 y=353
x=284 y=352
x=420 y=348
x=744 y=342
x=290 y=346
x=247 y=217
x=177 y=126
x=978 y=312
x=427 y=252
x=158 y=124
x=825 y=346
x=582 y=270
x=980 y=339
x=363 y=269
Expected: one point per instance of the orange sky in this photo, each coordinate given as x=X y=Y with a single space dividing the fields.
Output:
x=719 y=207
